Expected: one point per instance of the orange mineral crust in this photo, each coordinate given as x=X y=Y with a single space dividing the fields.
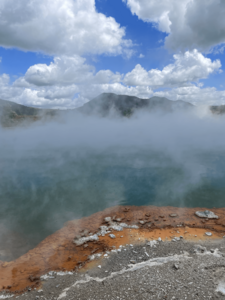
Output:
x=59 y=252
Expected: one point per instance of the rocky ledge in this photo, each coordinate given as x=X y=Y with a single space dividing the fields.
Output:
x=124 y=245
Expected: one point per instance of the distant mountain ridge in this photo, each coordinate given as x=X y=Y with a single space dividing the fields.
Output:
x=218 y=110
x=125 y=105
x=13 y=114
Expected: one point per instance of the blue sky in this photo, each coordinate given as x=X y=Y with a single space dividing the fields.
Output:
x=144 y=35
x=61 y=54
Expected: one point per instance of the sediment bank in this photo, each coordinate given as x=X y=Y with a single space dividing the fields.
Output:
x=59 y=252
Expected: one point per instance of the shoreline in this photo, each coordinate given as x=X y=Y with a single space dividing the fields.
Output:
x=59 y=252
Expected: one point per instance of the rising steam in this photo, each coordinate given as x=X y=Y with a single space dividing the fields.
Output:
x=67 y=169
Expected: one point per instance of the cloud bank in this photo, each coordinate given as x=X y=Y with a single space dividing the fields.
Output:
x=189 y=23
x=60 y=27
x=69 y=81
x=73 y=30
x=187 y=67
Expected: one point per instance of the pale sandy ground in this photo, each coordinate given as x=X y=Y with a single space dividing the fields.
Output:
x=183 y=269
x=156 y=257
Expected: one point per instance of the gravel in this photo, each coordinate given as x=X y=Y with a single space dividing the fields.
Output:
x=171 y=270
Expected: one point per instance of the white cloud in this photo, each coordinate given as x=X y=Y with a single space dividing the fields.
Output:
x=68 y=29
x=153 y=11
x=69 y=82
x=195 y=95
x=68 y=95
x=117 y=88
x=65 y=70
x=4 y=80
x=60 y=27
x=190 y=23
x=188 y=67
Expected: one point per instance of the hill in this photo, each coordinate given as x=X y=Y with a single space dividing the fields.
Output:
x=106 y=104
x=124 y=105
x=12 y=114
x=218 y=110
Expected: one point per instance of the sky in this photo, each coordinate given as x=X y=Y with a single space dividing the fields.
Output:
x=63 y=53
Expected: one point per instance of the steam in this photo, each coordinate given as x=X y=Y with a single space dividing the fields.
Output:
x=68 y=169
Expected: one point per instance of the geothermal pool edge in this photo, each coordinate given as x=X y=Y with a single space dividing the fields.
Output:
x=59 y=252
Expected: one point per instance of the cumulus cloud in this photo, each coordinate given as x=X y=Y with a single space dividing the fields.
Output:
x=189 y=23
x=65 y=96
x=65 y=70
x=188 y=67
x=195 y=94
x=69 y=82
x=153 y=11
x=60 y=27
x=71 y=96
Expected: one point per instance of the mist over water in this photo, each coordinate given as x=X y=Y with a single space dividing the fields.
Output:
x=59 y=171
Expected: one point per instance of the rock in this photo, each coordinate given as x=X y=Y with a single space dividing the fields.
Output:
x=176 y=239
x=208 y=233
x=34 y=278
x=206 y=214
x=146 y=253
x=142 y=222
x=200 y=249
x=221 y=288
x=118 y=220
x=84 y=233
x=173 y=215
x=176 y=267
x=84 y=240
x=152 y=243
x=108 y=219
x=159 y=239
x=99 y=266
x=126 y=209
x=116 y=227
x=112 y=236
x=132 y=261
x=124 y=225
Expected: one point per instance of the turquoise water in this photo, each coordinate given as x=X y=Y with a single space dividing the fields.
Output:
x=40 y=193
x=60 y=172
